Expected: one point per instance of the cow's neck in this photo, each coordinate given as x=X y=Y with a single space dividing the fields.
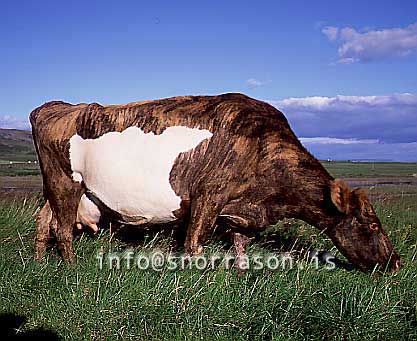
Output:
x=316 y=208
x=311 y=188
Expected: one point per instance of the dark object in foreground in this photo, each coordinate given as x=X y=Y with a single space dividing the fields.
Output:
x=10 y=325
x=250 y=173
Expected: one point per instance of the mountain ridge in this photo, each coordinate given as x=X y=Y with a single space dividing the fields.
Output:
x=16 y=145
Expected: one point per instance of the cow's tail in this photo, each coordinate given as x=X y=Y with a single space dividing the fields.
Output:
x=38 y=121
x=33 y=117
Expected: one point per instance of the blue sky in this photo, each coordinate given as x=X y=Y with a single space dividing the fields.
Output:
x=344 y=73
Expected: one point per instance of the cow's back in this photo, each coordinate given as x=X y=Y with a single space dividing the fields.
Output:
x=236 y=112
x=226 y=116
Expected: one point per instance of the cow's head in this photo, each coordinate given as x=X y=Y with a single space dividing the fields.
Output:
x=358 y=233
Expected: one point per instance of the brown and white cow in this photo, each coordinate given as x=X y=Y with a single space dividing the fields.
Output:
x=197 y=161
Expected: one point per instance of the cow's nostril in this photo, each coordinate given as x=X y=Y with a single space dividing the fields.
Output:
x=397 y=264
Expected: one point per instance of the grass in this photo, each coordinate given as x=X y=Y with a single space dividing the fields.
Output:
x=83 y=302
x=370 y=169
x=337 y=168
x=18 y=169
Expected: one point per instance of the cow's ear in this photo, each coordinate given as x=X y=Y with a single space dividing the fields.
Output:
x=340 y=194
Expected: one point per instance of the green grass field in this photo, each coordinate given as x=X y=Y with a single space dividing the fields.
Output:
x=337 y=168
x=81 y=301
x=21 y=169
x=370 y=169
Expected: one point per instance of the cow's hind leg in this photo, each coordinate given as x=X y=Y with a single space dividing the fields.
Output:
x=66 y=212
x=43 y=223
x=64 y=196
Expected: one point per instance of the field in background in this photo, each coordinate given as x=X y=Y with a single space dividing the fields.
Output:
x=83 y=302
x=371 y=169
x=16 y=145
x=343 y=169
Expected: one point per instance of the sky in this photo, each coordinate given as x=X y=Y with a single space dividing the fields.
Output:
x=343 y=73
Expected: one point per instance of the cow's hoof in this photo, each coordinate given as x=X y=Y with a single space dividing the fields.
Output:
x=67 y=254
x=241 y=266
x=195 y=251
x=241 y=272
x=38 y=257
x=69 y=258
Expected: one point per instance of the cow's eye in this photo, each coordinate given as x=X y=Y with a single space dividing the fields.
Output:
x=373 y=227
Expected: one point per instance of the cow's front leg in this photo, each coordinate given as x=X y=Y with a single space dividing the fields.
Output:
x=201 y=225
x=240 y=241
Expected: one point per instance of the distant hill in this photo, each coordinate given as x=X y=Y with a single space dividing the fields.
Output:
x=16 y=145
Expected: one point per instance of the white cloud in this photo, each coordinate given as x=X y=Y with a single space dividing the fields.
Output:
x=255 y=83
x=389 y=118
x=12 y=122
x=346 y=103
x=334 y=140
x=346 y=61
x=355 y=46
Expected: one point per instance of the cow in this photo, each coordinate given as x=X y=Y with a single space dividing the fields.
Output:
x=197 y=161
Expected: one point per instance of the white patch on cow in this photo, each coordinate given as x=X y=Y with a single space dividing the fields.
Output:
x=129 y=171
